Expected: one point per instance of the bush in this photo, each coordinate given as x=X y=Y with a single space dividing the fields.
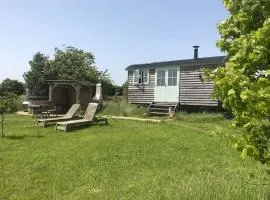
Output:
x=119 y=106
x=13 y=86
x=10 y=102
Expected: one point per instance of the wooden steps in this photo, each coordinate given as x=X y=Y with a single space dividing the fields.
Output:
x=162 y=108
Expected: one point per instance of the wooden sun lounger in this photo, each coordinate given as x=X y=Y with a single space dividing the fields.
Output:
x=89 y=118
x=68 y=116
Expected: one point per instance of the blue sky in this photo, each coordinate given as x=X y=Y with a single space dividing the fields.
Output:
x=118 y=32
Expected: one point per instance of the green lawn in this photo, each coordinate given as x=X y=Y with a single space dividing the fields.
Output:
x=124 y=160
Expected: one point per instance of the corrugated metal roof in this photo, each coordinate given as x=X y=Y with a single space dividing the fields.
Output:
x=187 y=62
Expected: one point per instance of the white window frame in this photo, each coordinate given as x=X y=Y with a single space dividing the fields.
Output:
x=157 y=78
x=137 y=71
x=172 y=77
x=167 y=76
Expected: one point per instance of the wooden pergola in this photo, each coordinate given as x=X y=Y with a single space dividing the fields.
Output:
x=64 y=93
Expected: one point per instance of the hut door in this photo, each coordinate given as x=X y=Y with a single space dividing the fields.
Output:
x=167 y=85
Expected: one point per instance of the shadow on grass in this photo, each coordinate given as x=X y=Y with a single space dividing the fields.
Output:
x=20 y=137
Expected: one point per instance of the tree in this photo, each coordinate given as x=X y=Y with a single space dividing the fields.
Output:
x=243 y=85
x=9 y=102
x=68 y=63
x=11 y=86
x=9 y=95
x=74 y=64
x=40 y=71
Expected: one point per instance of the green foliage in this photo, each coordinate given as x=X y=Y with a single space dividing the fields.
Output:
x=256 y=142
x=125 y=89
x=68 y=63
x=108 y=88
x=119 y=106
x=40 y=71
x=13 y=86
x=74 y=64
x=19 y=102
x=243 y=85
x=11 y=95
x=9 y=102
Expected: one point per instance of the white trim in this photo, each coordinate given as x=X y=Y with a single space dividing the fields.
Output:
x=133 y=76
x=156 y=78
x=167 y=75
x=167 y=93
x=177 y=76
x=137 y=82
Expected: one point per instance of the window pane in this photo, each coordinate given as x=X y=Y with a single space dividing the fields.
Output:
x=161 y=82
x=160 y=77
x=140 y=76
x=172 y=77
x=174 y=81
x=172 y=73
x=141 y=73
x=170 y=83
x=145 y=76
x=160 y=73
x=145 y=73
x=158 y=82
x=175 y=73
x=145 y=79
x=136 y=76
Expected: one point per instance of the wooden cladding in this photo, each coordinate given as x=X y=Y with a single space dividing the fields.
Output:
x=141 y=93
x=194 y=90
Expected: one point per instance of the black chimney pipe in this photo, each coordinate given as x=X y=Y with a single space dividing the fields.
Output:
x=196 y=51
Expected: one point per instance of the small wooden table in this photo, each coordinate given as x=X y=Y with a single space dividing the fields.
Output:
x=50 y=111
x=35 y=109
x=43 y=110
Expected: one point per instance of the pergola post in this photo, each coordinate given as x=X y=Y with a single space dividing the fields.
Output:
x=77 y=89
x=98 y=96
x=50 y=92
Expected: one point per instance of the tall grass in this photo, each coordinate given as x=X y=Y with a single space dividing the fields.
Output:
x=119 y=106
x=19 y=102
x=200 y=117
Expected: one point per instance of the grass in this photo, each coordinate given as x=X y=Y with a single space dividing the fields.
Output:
x=119 y=106
x=124 y=160
x=200 y=117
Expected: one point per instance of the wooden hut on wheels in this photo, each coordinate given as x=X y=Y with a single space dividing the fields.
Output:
x=168 y=85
